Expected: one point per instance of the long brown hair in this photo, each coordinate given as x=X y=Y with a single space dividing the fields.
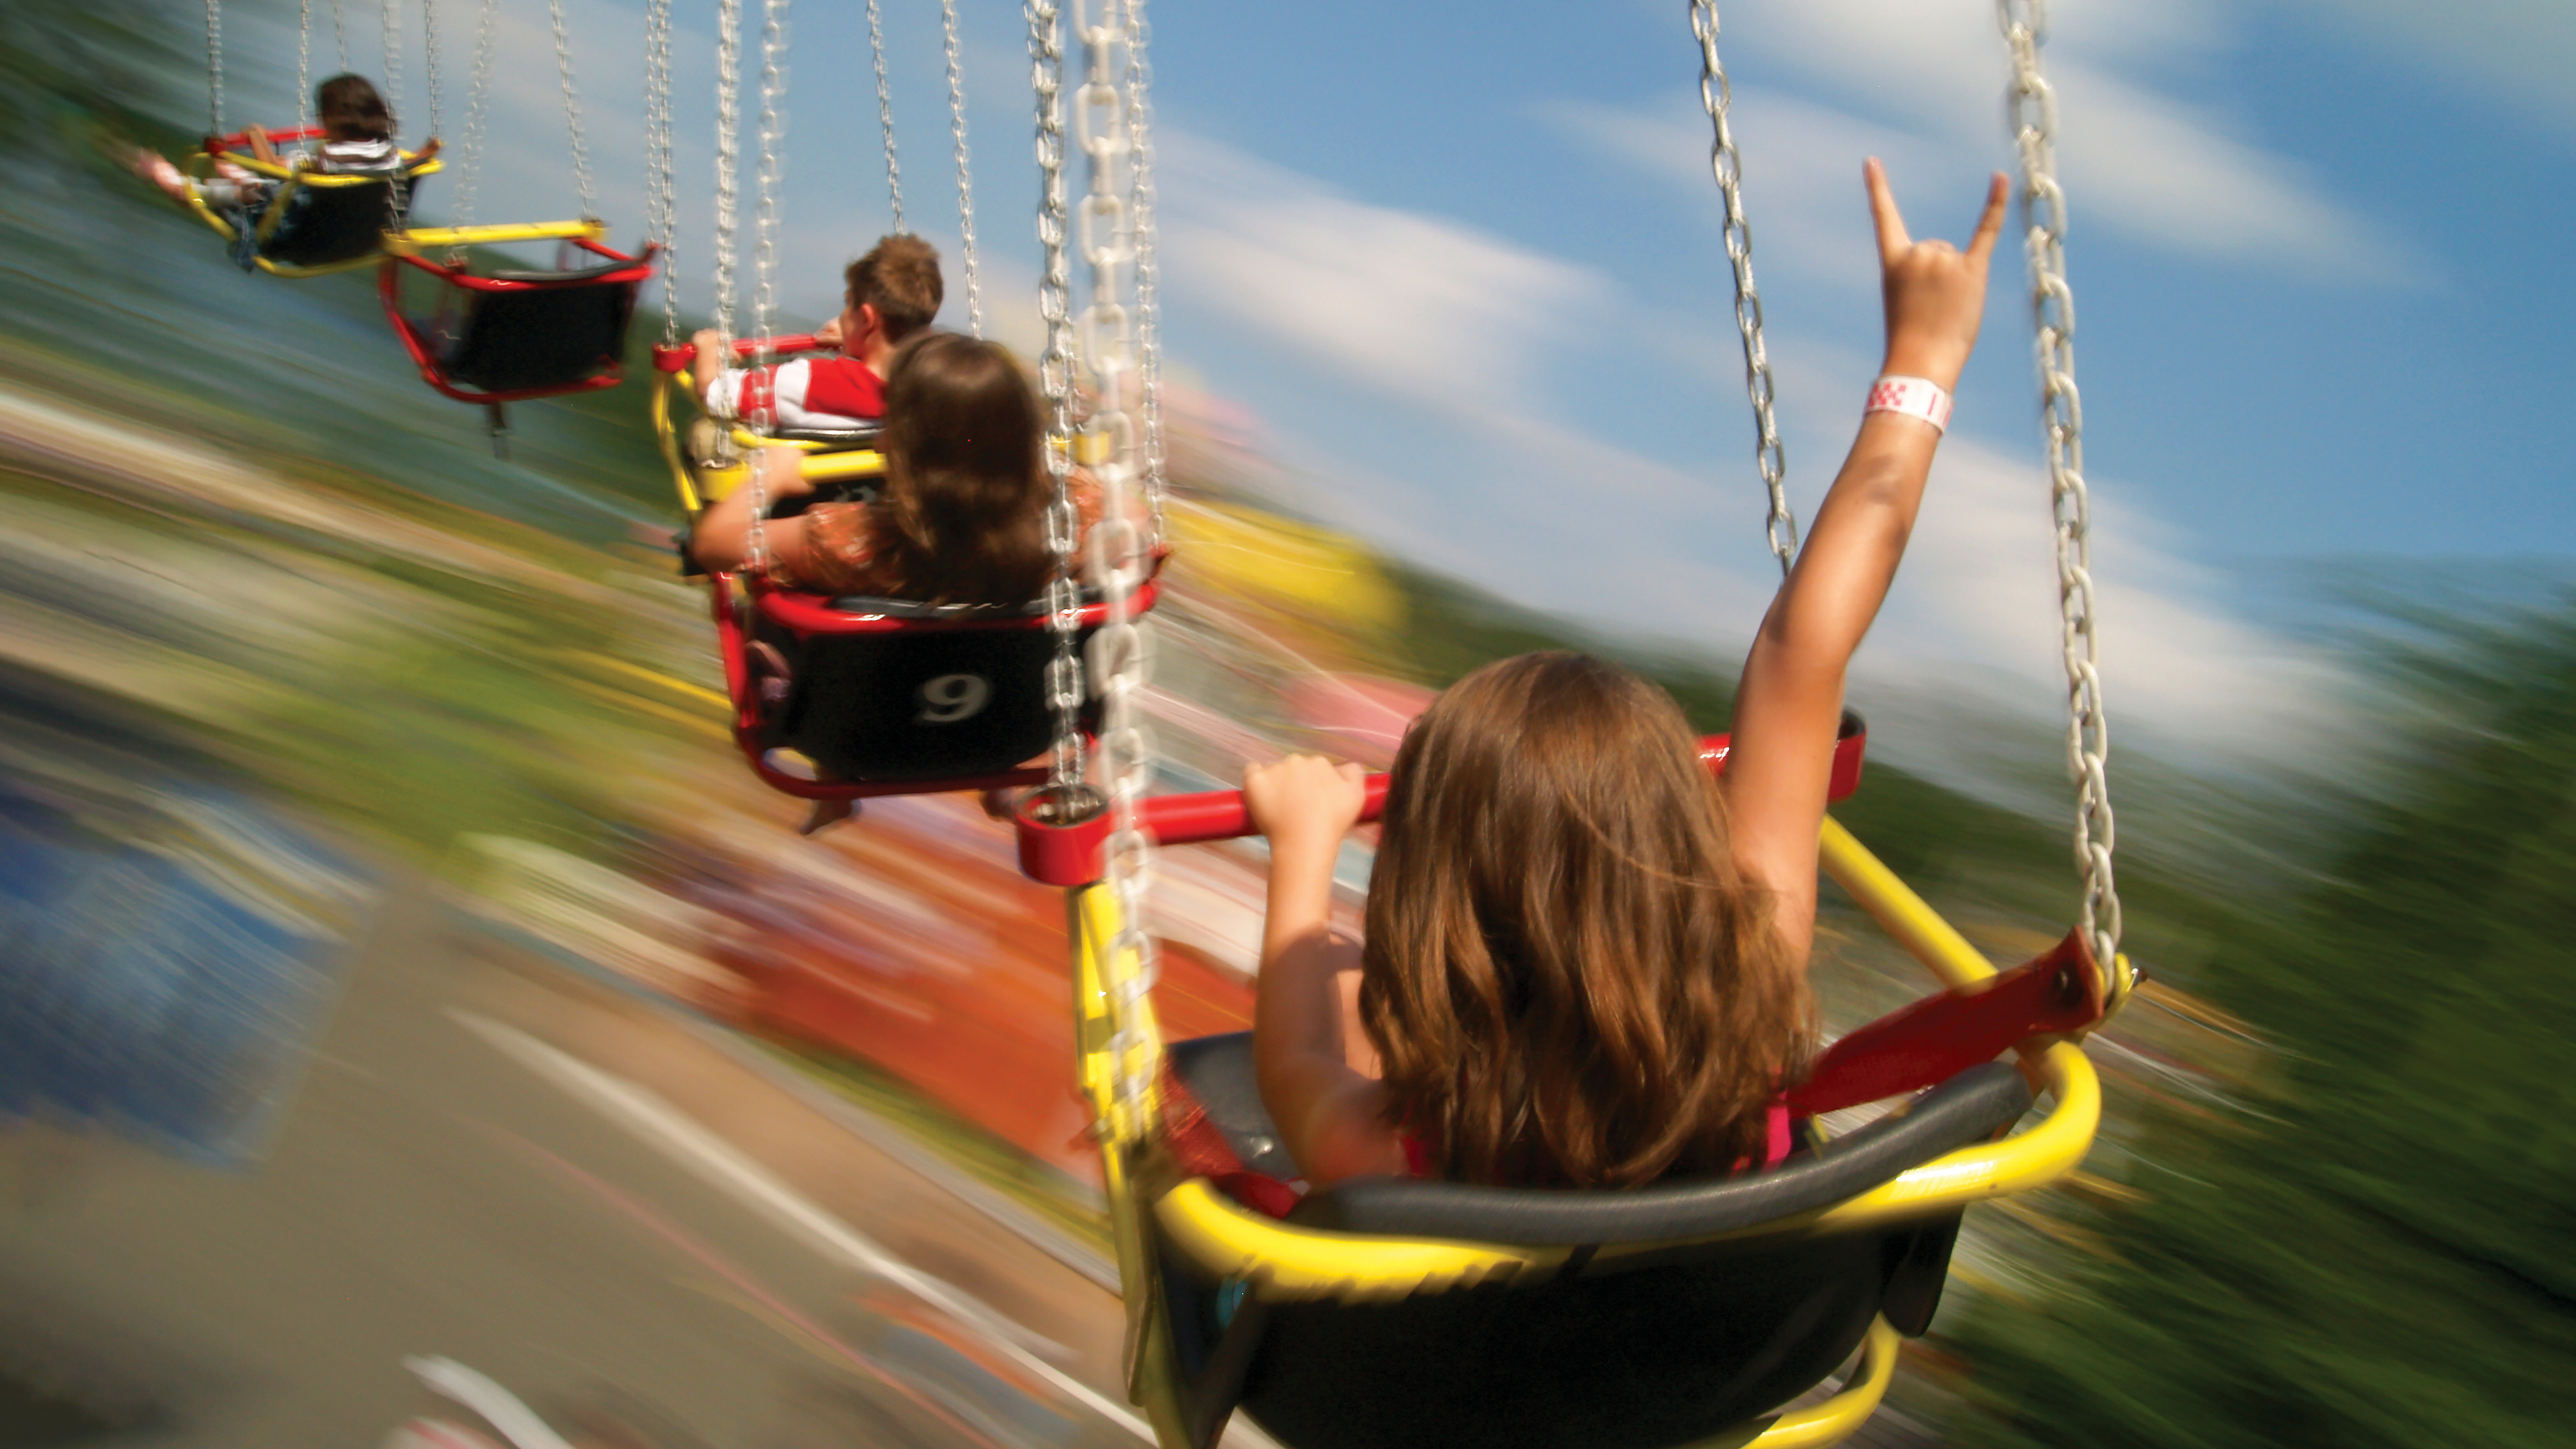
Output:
x=1566 y=976
x=965 y=493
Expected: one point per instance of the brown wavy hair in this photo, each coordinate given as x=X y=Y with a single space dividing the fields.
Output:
x=966 y=493
x=1566 y=977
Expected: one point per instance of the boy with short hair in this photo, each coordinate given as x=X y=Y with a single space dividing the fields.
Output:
x=891 y=293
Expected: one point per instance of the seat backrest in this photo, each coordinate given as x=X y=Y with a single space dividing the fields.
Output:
x=542 y=336
x=1629 y=1351
x=917 y=704
x=340 y=222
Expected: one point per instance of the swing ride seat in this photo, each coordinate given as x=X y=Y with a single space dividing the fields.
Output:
x=833 y=455
x=1671 y=1329
x=509 y=335
x=318 y=222
x=1388 y=1312
x=891 y=696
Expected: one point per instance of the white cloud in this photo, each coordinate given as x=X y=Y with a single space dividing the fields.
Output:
x=1459 y=325
x=1933 y=72
x=1425 y=308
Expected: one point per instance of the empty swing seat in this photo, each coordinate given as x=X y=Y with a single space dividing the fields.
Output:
x=510 y=335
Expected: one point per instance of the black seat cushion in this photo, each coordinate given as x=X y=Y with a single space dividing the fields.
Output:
x=916 y=705
x=1636 y=1351
x=338 y=223
x=1632 y=1360
x=542 y=337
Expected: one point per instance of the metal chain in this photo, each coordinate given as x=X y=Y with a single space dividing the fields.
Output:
x=469 y=168
x=773 y=160
x=661 y=186
x=2031 y=110
x=1149 y=306
x=885 y=114
x=773 y=139
x=1716 y=97
x=340 y=34
x=1064 y=682
x=389 y=16
x=304 y=65
x=572 y=112
x=965 y=173
x=429 y=49
x=214 y=68
x=728 y=165
x=1121 y=554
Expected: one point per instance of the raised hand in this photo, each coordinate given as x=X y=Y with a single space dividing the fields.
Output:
x=1935 y=294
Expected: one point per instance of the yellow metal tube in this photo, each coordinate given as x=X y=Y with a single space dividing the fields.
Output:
x=664 y=433
x=1841 y=1416
x=436 y=238
x=1902 y=913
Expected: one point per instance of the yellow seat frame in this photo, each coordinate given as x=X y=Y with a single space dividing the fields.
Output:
x=1150 y=1200
x=701 y=484
x=202 y=166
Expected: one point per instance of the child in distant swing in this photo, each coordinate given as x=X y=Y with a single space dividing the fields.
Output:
x=357 y=140
x=888 y=297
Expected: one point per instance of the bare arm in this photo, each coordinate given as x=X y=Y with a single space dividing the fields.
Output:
x=721 y=539
x=1332 y=1117
x=708 y=363
x=1791 y=697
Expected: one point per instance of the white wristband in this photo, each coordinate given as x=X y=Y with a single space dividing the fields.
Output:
x=1916 y=397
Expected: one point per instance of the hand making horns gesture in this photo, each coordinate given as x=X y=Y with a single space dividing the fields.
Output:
x=1934 y=294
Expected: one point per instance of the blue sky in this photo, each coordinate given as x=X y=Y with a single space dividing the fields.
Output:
x=1462 y=265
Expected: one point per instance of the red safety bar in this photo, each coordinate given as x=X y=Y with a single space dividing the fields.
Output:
x=1069 y=855
x=679 y=357
x=389 y=290
x=239 y=141
x=814 y=614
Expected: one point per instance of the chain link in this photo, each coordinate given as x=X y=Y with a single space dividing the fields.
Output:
x=572 y=111
x=214 y=68
x=728 y=168
x=1717 y=98
x=340 y=34
x=1064 y=682
x=965 y=174
x=429 y=53
x=304 y=65
x=1149 y=305
x=469 y=169
x=661 y=186
x=2031 y=112
x=773 y=160
x=389 y=16
x=885 y=114
x=1121 y=556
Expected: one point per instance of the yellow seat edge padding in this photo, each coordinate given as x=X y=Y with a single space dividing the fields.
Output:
x=415 y=240
x=1841 y=1416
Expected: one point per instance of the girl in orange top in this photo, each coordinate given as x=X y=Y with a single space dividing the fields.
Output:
x=962 y=519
